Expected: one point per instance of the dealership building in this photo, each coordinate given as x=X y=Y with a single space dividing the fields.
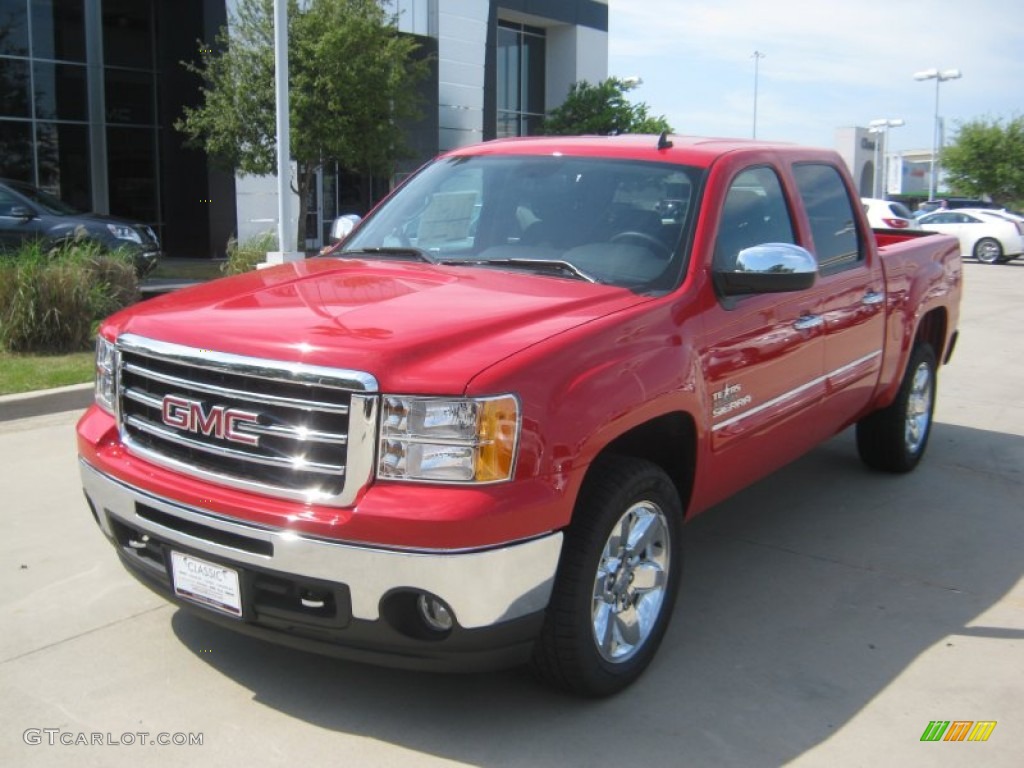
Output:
x=903 y=174
x=90 y=91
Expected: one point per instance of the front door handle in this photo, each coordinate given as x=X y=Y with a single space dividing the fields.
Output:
x=809 y=322
x=871 y=298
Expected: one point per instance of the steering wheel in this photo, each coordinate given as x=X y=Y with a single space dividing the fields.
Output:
x=650 y=241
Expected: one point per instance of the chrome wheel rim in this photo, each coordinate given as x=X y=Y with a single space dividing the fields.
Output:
x=631 y=581
x=919 y=408
x=988 y=251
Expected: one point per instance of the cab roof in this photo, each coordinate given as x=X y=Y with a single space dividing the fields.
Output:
x=686 y=150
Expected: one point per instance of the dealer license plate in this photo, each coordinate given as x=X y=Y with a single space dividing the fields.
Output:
x=206 y=583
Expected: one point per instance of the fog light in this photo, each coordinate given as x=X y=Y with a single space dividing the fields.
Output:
x=435 y=613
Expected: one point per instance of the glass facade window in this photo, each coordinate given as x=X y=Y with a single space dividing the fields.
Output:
x=521 y=67
x=124 y=158
x=16 y=150
x=411 y=16
x=130 y=97
x=63 y=154
x=60 y=91
x=58 y=30
x=13 y=28
x=128 y=33
x=15 y=88
x=131 y=170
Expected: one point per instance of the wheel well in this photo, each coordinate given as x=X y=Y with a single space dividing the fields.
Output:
x=670 y=441
x=932 y=329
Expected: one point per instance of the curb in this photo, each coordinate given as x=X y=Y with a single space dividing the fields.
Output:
x=76 y=397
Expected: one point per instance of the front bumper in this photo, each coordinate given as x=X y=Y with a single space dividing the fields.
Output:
x=145 y=261
x=367 y=596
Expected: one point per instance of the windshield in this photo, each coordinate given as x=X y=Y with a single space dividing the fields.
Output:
x=618 y=222
x=44 y=200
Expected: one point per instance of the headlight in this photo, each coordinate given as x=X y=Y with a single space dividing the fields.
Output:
x=106 y=375
x=460 y=440
x=121 y=232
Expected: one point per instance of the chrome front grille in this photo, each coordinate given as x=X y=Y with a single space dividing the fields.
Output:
x=289 y=430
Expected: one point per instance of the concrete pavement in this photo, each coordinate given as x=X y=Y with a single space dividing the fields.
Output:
x=828 y=614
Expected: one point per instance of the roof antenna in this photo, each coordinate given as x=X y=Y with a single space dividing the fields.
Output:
x=664 y=142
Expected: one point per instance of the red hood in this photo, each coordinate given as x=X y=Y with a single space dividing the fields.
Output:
x=417 y=328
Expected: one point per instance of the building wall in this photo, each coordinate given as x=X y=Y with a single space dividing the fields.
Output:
x=574 y=53
x=461 y=92
x=857 y=148
x=462 y=34
x=91 y=90
x=909 y=173
x=196 y=206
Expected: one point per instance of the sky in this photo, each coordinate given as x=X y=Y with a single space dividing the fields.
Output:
x=826 y=64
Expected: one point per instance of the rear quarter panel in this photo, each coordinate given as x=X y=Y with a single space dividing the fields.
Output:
x=923 y=274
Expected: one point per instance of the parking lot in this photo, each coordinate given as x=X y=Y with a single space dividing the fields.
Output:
x=828 y=615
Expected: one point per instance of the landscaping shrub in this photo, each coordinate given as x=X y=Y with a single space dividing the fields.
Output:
x=244 y=256
x=52 y=301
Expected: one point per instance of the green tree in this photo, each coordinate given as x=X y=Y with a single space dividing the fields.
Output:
x=986 y=158
x=602 y=109
x=352 y=85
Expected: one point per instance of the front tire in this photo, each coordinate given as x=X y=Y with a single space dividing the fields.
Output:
x=894 y=439
x=988 y=251
x=617 y=580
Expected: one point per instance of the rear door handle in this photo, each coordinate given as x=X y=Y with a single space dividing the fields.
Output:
x=808 y=322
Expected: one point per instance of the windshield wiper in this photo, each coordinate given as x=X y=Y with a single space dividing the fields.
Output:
x=402 y=252
x=549 y=265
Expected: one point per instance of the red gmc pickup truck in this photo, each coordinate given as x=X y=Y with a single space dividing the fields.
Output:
x=470 y=435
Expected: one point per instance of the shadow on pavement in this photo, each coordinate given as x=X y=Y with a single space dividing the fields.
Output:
x=804 y=597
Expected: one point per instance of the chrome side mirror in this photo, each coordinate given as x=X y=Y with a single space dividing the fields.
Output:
x=342 y=226
x=769 y=268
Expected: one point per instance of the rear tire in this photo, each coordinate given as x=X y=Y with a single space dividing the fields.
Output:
x=894 y=439
x=988 y=251
x=617 y=580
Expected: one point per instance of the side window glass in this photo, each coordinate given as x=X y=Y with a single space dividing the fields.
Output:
x=754 y=213
x=830 y=210
x=7 y=203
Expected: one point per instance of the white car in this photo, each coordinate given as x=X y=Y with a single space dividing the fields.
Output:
x=988 y=236
x=888 y=214
x=997 y=213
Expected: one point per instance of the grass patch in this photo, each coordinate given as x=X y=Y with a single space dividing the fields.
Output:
x=244 y=256
x=26 y=373
x=51 y=300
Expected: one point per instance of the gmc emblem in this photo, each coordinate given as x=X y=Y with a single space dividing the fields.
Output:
x=220 y=422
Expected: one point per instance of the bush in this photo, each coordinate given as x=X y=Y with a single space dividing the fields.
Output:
x=52 y=301
x=244 y=256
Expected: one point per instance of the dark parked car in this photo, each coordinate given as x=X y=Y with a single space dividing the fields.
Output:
x=28 y=213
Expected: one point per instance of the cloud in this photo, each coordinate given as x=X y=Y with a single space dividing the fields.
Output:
x=827 y=64
x=825 y=41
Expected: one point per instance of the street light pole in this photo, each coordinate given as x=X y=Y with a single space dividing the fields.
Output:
x=881 y=130
x=939 y=76
x=757 y=56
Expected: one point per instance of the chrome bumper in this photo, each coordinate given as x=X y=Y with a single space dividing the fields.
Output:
x=482 y=588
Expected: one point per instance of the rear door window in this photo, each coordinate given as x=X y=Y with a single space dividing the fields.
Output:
x=837 y=243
